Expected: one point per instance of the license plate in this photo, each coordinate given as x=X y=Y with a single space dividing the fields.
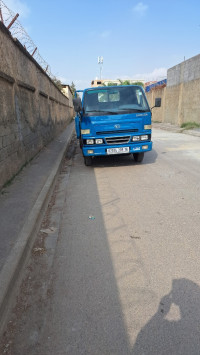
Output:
x=121 y=150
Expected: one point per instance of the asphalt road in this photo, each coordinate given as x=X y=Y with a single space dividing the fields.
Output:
x=121 y=274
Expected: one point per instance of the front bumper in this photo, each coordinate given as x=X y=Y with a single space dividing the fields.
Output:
x=102 y=149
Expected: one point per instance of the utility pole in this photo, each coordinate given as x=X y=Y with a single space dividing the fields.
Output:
x=100 y=62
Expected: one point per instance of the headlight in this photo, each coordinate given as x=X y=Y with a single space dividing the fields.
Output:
x=89 y=141
x=85 y=131
x=144 y=138
x=99 y=141
x=135 y=138
x=147 y=126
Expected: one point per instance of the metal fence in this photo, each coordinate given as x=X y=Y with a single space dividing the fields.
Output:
x=10 y=20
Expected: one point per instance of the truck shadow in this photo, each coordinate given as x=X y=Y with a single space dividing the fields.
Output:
x=123 y=160
x=170 y=331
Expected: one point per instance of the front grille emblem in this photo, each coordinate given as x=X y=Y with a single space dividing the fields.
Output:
x=117 y=125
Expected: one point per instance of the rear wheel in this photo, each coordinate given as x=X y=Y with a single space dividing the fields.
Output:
x=138 y=157
x=88 y=161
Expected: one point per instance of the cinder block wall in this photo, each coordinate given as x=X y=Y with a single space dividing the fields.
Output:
x=157 y=112
x=32 y=109
x=180 y=99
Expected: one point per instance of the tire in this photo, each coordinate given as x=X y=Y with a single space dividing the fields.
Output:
x=138 y=157
x=88 y=161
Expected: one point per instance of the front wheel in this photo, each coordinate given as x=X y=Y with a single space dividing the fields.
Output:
x=88 y=161
x=138 y=157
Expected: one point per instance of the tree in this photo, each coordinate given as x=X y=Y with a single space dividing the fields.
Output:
x=110 y=84
x=124 y=82
x=138 y=83
x=73 y=88
x=127 y=82
x=58 y=83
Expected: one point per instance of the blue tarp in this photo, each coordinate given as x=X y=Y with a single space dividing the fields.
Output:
x=161 y=82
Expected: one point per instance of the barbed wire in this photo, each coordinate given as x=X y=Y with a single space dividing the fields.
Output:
x=10 y=20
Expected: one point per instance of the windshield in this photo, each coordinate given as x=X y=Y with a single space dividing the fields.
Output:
x=114 y=100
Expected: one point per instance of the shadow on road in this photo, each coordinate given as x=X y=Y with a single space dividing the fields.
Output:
x=169 y=332
x=123 y=160
x=98 y=287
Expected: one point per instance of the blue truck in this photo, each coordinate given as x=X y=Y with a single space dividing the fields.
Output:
x=113 y=120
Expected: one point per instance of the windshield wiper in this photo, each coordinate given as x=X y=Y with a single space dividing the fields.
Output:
x=100 y=111
x=117 y=112
x=92 y=111
x=133 y=109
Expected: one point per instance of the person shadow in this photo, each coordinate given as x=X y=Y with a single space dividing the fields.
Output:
x=175 y=328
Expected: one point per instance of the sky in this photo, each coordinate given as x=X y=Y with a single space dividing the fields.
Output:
x=137 y=39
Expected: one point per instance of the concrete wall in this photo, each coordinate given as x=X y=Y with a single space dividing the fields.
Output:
x=157 y=112
x=184 y=72
x=180 y=99
x=182 y=103
x=32 y=109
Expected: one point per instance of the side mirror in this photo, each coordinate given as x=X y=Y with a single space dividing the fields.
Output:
x=158 y=102
x=77 y=104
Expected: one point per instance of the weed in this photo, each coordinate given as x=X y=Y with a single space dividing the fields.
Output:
x=3 y=192
x=190 y=125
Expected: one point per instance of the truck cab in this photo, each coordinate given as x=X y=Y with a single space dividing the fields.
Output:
x=113 y=120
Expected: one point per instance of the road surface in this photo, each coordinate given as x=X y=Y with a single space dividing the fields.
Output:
x=116 y=268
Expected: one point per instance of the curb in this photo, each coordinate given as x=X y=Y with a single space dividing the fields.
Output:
x=10 y=272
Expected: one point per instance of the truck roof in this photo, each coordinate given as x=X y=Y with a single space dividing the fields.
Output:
x=106 y=87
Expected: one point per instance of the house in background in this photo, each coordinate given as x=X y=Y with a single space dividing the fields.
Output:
x=66 y=90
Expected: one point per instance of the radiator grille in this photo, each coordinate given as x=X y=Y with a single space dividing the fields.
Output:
x=117 y=131
x=117 y=140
